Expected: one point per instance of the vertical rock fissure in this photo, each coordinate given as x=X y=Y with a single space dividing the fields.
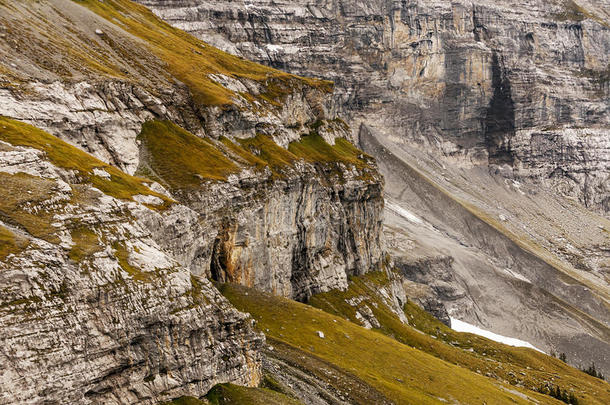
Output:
x=500 y=116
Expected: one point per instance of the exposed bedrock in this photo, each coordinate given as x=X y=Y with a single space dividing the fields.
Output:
x=92 y=309
x=522 y=86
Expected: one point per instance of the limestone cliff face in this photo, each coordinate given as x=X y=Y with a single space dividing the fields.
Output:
x=522 y=85
x=294 y=234
x=92 y=309
x=105 y=292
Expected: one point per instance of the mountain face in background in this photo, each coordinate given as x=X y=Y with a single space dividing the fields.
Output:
x=181 y=224
x=521 y=85
x=490 y=123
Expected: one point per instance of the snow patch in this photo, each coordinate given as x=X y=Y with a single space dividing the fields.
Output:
x=517 y=276
x=397 y=209
x=461 y=326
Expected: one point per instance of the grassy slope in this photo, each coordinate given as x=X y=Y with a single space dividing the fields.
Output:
x=25 y=198
x=402 y=373
x=185 y=57
x=519 y=366
x=10 y=243
x=62 y=154
x=180 y=158
x=164 y=159
x=227 y=394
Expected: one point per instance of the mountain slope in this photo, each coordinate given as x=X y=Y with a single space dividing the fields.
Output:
x=90 y=302
x=504 y=107
x=398 y=365
x=117 y=66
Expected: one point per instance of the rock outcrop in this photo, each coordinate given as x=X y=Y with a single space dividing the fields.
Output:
x=92 y=309
x=522 y=86
x=294 y=234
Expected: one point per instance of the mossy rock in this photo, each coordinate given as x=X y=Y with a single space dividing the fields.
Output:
x=62 y=154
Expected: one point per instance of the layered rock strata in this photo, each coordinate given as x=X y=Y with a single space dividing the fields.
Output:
x=92 y=309
x=522 y=86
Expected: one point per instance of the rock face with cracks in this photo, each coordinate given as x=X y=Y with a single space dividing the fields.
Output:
x=92 y=309
x=106 y=297
x=521 y=85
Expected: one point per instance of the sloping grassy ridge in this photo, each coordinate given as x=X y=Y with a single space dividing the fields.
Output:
x=180 y=160
x=402 y=373
x=520 y=367
x=139 y=46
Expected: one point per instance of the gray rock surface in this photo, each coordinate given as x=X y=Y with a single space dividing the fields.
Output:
x=92 y=309
x=486 y=274
x=522 y=84
x=295 y=235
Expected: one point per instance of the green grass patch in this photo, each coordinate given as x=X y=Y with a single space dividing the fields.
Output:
x=20 y=192
x=230 y=394
x=572 y=11
x=62 y=154
x=86 y=243
x=186 y=401
x=522 y=366
x=180 y=159
x=265 y=149
x=313 y=148
x=241 y=154
x=402 y=373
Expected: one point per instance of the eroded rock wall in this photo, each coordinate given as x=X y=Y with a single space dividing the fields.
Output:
x=92 y=309
x=522 y=85
x=295 y=236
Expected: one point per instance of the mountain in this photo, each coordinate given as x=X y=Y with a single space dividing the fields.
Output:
x=490 y=125
x=181 y=225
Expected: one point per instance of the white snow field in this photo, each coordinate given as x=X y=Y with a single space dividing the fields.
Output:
x=461 y=326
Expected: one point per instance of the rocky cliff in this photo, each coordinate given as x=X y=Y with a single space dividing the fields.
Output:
x=92 y=309
x=245 y=176
x=502 y=107
x=259 y=223
x=521 y=85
